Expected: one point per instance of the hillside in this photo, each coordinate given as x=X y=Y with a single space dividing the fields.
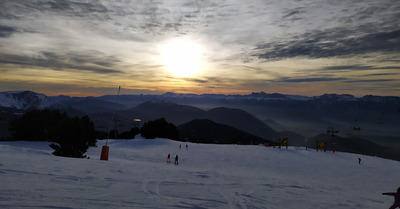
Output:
x=208 y=176
x=241 y=120
x=207 y=131
x=179 y=114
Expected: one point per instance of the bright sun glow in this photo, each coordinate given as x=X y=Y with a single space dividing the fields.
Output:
x=182 y=57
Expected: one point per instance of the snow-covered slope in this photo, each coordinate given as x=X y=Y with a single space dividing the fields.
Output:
x=208 y=176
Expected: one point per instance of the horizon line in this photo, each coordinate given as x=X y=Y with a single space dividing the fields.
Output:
x=221 y=94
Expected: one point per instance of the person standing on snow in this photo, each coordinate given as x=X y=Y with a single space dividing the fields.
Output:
x=176 y=160
x=169 y=158
x=396 y=198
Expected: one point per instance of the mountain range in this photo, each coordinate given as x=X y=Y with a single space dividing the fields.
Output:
x=269 y=116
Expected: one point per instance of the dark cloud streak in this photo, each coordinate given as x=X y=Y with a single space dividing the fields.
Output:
x=319 y=79
x=6 y=31
x=337 y=42
x=360 y=67
x=68 y=62
x=294 y=14
x=372 y=80
x=70 y=7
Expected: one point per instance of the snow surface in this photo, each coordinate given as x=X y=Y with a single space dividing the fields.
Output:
x=7 y=101
x=208 y=176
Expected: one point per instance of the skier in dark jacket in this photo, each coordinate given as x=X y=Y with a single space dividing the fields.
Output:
x=176 y=159
x=396 y=198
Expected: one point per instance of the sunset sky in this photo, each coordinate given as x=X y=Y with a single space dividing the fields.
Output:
x=305 y=47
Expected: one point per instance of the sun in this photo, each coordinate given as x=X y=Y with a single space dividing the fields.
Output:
x=182 y=57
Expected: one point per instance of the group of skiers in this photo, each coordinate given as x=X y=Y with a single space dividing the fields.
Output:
x=176 y=157
x=169 y=159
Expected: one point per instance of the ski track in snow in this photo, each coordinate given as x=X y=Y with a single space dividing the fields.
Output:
x=208 y=176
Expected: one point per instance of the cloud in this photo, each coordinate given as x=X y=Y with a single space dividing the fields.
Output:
x=69 y=7
x=371 y=80
x=349 y=67
x=360 y=67
x=336 y=42
x=6 y=31
x=68 y=62
x=368 y=13
x=294 y=14
x=316 y=79
x=194 y=80
x=381 y=74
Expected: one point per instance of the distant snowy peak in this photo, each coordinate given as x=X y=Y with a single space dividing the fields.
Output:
x=265 y=97
x=26 y=100
x=336 y=97
x=257 y=96
x=160 y=102
x=157 y=102
x=275 y=96
x=350 y=98
x=380 y=99
x=165 y=105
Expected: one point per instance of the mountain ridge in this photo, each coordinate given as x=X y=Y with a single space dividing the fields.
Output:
x=7 y=97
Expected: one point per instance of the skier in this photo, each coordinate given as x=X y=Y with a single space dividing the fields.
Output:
x=396 y=198
x=169 y=158
x=176 y=160
x=359 y=160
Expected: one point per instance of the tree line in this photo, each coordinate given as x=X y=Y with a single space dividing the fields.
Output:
x=72 y=136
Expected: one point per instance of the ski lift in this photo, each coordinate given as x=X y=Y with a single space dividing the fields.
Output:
x=105 y=149
x=381 y=119
x=332 y=131
x=356 y=127
x=353 y=129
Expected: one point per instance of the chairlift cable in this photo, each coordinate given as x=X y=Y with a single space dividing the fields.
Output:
x=112 y=117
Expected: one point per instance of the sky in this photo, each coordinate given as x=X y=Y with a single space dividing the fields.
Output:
x=303 y=47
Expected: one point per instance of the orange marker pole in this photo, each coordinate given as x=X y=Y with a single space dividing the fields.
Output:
x=104 y=153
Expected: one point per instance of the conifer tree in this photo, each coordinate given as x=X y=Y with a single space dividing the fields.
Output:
x=71 y=136
x=159 y=128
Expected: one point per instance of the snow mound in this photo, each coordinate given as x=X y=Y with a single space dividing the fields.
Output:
x=208 y=176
